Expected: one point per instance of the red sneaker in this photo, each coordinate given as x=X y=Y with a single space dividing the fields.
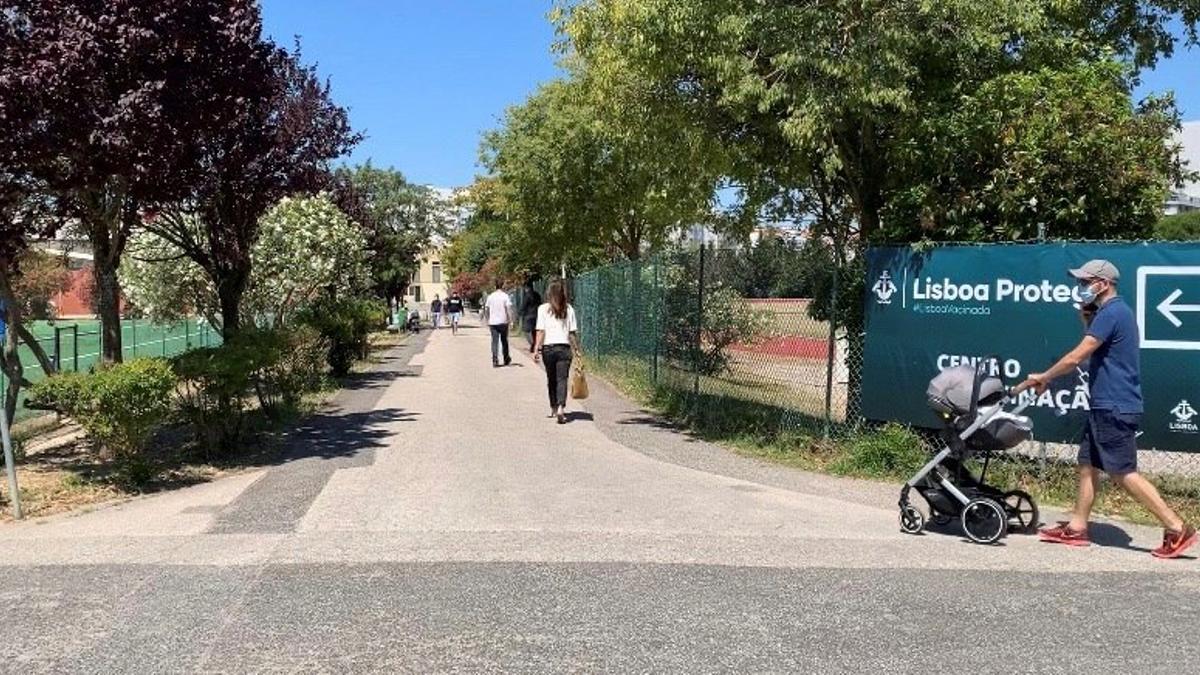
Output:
x=1063 y=534
x=1175 y=543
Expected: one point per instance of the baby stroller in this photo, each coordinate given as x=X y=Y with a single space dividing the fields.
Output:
x=970 y=402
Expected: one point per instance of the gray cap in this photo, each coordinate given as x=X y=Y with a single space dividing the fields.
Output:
x=1097 y=269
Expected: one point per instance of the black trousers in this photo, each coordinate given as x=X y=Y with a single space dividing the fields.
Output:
x=558 y=369
x=500 y=337
x=529 y=326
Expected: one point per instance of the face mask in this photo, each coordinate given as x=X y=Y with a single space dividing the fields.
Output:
x=1087 y=295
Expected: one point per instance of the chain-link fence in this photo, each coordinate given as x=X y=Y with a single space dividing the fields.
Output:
x=75 y=346
x=736 y=349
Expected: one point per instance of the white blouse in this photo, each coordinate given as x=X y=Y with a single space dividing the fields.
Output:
x=557 y=331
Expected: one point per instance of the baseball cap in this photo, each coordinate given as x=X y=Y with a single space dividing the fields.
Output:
x=1097 y=269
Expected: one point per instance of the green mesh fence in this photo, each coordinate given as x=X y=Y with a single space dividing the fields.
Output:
x=74 y=346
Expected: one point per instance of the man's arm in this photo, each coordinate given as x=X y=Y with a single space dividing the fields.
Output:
x=1067 y=364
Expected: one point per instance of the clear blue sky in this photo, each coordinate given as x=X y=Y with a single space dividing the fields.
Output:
x=423 y=78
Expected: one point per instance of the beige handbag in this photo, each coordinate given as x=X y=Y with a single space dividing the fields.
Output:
x=578 y=382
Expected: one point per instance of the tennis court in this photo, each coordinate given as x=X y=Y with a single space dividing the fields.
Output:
x=74 y=345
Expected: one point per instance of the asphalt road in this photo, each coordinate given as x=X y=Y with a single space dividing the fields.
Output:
x=434 y=521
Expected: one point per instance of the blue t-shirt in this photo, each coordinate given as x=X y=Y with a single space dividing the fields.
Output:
x=1113 y=373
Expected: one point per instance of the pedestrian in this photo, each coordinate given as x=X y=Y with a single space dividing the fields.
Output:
x=530 y=304
x=1109 y=442
x=435 y=308
x=454 y=308
x=499 y=310
x=556 y=344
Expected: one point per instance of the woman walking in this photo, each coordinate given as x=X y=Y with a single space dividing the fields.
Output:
x=556 y=342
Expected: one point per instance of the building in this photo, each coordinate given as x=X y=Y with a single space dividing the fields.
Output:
x=1187 y=197
x=428 y=281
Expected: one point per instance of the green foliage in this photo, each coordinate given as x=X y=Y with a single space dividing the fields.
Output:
x=1179 y=227
x=398 y=218
x=119 y=406
x=294 y=364
x=701 y=340
x=214 y=383
x=346 y=325
x=939 y=120
x=305 y=246
x=891 y=451
x=775 y=268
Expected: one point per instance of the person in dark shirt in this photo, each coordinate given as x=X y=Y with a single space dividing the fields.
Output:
x=1109 y=443
x=529 y=311
x=435 y=308
x=454 y=310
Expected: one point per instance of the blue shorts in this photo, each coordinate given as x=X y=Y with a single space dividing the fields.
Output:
x=1110 y=442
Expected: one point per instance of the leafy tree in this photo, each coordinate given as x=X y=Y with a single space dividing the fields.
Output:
x=580 y=177
x=124 y=94
x=398 y=218
x=828 y=104
x=42 y=277
x=280 y=142
x=307 y=248
x=1179 y=227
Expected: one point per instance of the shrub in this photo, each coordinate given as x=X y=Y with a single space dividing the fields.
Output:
x=294 y=363
x=893 y=450
x=347 y=325
x=118 y=406
x=214 y=382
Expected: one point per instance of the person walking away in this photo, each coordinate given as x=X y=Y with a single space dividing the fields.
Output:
x=435 y=308
x=530 y=304
x=499 y=310
x=556 y=342
x=1109 y=442
x=454 y=311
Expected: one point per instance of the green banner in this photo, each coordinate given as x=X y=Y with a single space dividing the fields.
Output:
x=938 y=307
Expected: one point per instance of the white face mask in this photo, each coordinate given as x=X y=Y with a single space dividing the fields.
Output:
x=1087 y=295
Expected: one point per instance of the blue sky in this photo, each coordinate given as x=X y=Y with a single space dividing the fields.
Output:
x=424 y=78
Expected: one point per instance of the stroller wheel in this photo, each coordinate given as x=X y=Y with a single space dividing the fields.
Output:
x=1022 y=510
x=941 y=519
x=984 y=521
x=912 y=521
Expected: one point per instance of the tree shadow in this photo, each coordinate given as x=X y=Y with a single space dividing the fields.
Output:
x=580 y=416
x=334 y=434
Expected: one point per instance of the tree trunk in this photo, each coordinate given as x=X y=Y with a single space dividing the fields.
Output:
x=16 y=323
x=10 y=360
x=108 y=303
x=231 y=286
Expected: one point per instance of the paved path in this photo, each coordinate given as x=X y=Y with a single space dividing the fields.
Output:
x=436 y=520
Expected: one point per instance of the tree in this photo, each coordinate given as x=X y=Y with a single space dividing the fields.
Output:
x=285 y=132
x=398 y=218
x=829 y=103
x=307 y=248
x=1179 y=227
x=126 y=93
x=581 y=177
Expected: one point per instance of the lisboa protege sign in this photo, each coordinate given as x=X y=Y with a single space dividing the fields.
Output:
x=931 y=309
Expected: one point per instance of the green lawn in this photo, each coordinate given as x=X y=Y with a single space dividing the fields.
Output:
x=77 y=346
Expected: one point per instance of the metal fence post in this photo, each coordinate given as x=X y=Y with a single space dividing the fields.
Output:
x=1041 y=444
x=164 y=343
x=657 y=324
x=57 y=361
x=75 y=346
x=133 y=335
x=831 y=349
x=187 y=333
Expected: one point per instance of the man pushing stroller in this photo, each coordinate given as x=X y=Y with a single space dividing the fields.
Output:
x=1109 y=442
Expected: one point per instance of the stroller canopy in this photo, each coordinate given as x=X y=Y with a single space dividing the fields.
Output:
x=950 y=391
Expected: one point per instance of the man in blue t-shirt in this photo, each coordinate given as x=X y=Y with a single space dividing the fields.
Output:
x=1109 y=443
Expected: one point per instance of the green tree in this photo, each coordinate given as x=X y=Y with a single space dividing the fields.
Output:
x=582 y=174
x=398 y=218
x=1179 y=227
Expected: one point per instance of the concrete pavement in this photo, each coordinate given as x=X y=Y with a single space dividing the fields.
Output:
x=436 y=520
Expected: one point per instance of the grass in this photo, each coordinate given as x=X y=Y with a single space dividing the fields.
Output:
x=889 y=453
x=59 y=471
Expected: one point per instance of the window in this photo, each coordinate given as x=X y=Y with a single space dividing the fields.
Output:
x=437 y=272
x=416 y=294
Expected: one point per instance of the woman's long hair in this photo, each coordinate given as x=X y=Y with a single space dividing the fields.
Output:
x=556 y=295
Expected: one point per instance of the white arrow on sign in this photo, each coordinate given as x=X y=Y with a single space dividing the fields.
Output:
x=1168 y=308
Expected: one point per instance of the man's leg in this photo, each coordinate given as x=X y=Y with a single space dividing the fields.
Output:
x=495 y=344
x=504 y=343
x=1089 y=483
x=1147 y=495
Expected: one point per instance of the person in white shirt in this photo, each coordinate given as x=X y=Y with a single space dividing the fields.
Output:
x=499 y=310
x=556 y=343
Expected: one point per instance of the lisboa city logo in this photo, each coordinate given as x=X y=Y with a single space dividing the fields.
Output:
x=884 y=288
x=1184 y=412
